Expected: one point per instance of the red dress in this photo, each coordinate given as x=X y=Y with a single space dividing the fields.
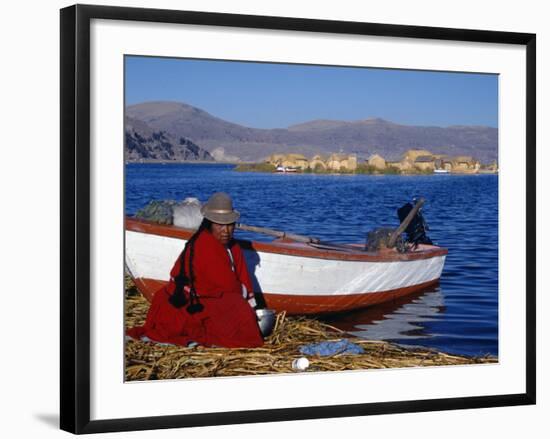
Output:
x=227 y=319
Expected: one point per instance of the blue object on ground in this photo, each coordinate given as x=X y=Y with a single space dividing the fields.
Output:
x=326 y=348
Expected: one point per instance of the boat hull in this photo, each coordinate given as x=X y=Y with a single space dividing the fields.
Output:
x=290 y=276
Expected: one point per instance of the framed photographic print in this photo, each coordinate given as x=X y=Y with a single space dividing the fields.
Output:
x=340 y=214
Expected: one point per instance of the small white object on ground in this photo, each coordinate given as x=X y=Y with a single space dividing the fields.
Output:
x=300 y=363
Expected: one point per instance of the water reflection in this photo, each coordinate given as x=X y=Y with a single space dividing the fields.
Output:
x=399 y=320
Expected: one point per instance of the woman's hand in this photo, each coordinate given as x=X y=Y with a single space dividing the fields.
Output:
x=249 y=296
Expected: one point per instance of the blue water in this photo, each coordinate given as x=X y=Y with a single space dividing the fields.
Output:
x=460 y=315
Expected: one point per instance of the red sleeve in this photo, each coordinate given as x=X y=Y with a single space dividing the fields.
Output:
x=242 y=270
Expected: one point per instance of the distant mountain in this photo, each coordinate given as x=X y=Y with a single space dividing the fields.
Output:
x=363 y=137
x=145 y=143
x=317 y=125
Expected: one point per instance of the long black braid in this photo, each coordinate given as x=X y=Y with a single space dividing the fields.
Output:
x=178 y=299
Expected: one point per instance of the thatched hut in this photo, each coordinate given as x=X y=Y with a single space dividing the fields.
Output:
x=404 y=165
x=318 y=162
x=413 y=154
x=295 y=161
x=377 y=161
x=425 y=162
x=465 y=164
x=342 y=162
x=288 y=160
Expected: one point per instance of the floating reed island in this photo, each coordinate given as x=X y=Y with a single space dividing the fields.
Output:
x=152 y=361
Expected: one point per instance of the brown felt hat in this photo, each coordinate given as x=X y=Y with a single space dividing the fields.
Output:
x=219 y=209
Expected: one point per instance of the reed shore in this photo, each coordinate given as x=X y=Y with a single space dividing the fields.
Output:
x=360 y=170
x=151 y=361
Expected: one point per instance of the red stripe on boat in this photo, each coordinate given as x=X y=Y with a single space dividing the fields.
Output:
x=306 y=304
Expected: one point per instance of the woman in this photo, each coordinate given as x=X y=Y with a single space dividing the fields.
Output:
x=209 y=299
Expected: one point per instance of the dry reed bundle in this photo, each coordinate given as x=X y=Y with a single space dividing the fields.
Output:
x=152 y=361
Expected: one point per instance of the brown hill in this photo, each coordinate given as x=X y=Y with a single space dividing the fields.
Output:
x=363 y=137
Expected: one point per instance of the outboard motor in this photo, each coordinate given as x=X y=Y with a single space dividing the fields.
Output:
x=416 y=230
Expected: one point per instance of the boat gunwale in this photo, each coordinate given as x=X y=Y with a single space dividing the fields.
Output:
x=290 y=248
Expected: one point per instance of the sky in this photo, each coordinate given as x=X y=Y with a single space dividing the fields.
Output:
x=268 y=95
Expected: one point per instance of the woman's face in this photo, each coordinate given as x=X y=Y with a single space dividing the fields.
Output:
x=223 y=232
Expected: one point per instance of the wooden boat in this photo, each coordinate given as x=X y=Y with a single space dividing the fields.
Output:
x=296 y=277
x=284 y=170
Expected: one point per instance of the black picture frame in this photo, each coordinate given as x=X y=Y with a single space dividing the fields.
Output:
x=75 y=217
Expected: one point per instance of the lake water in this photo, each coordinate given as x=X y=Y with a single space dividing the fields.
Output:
x=460 y=315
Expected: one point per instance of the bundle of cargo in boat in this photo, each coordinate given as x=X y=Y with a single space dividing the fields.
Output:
x=151 y=361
